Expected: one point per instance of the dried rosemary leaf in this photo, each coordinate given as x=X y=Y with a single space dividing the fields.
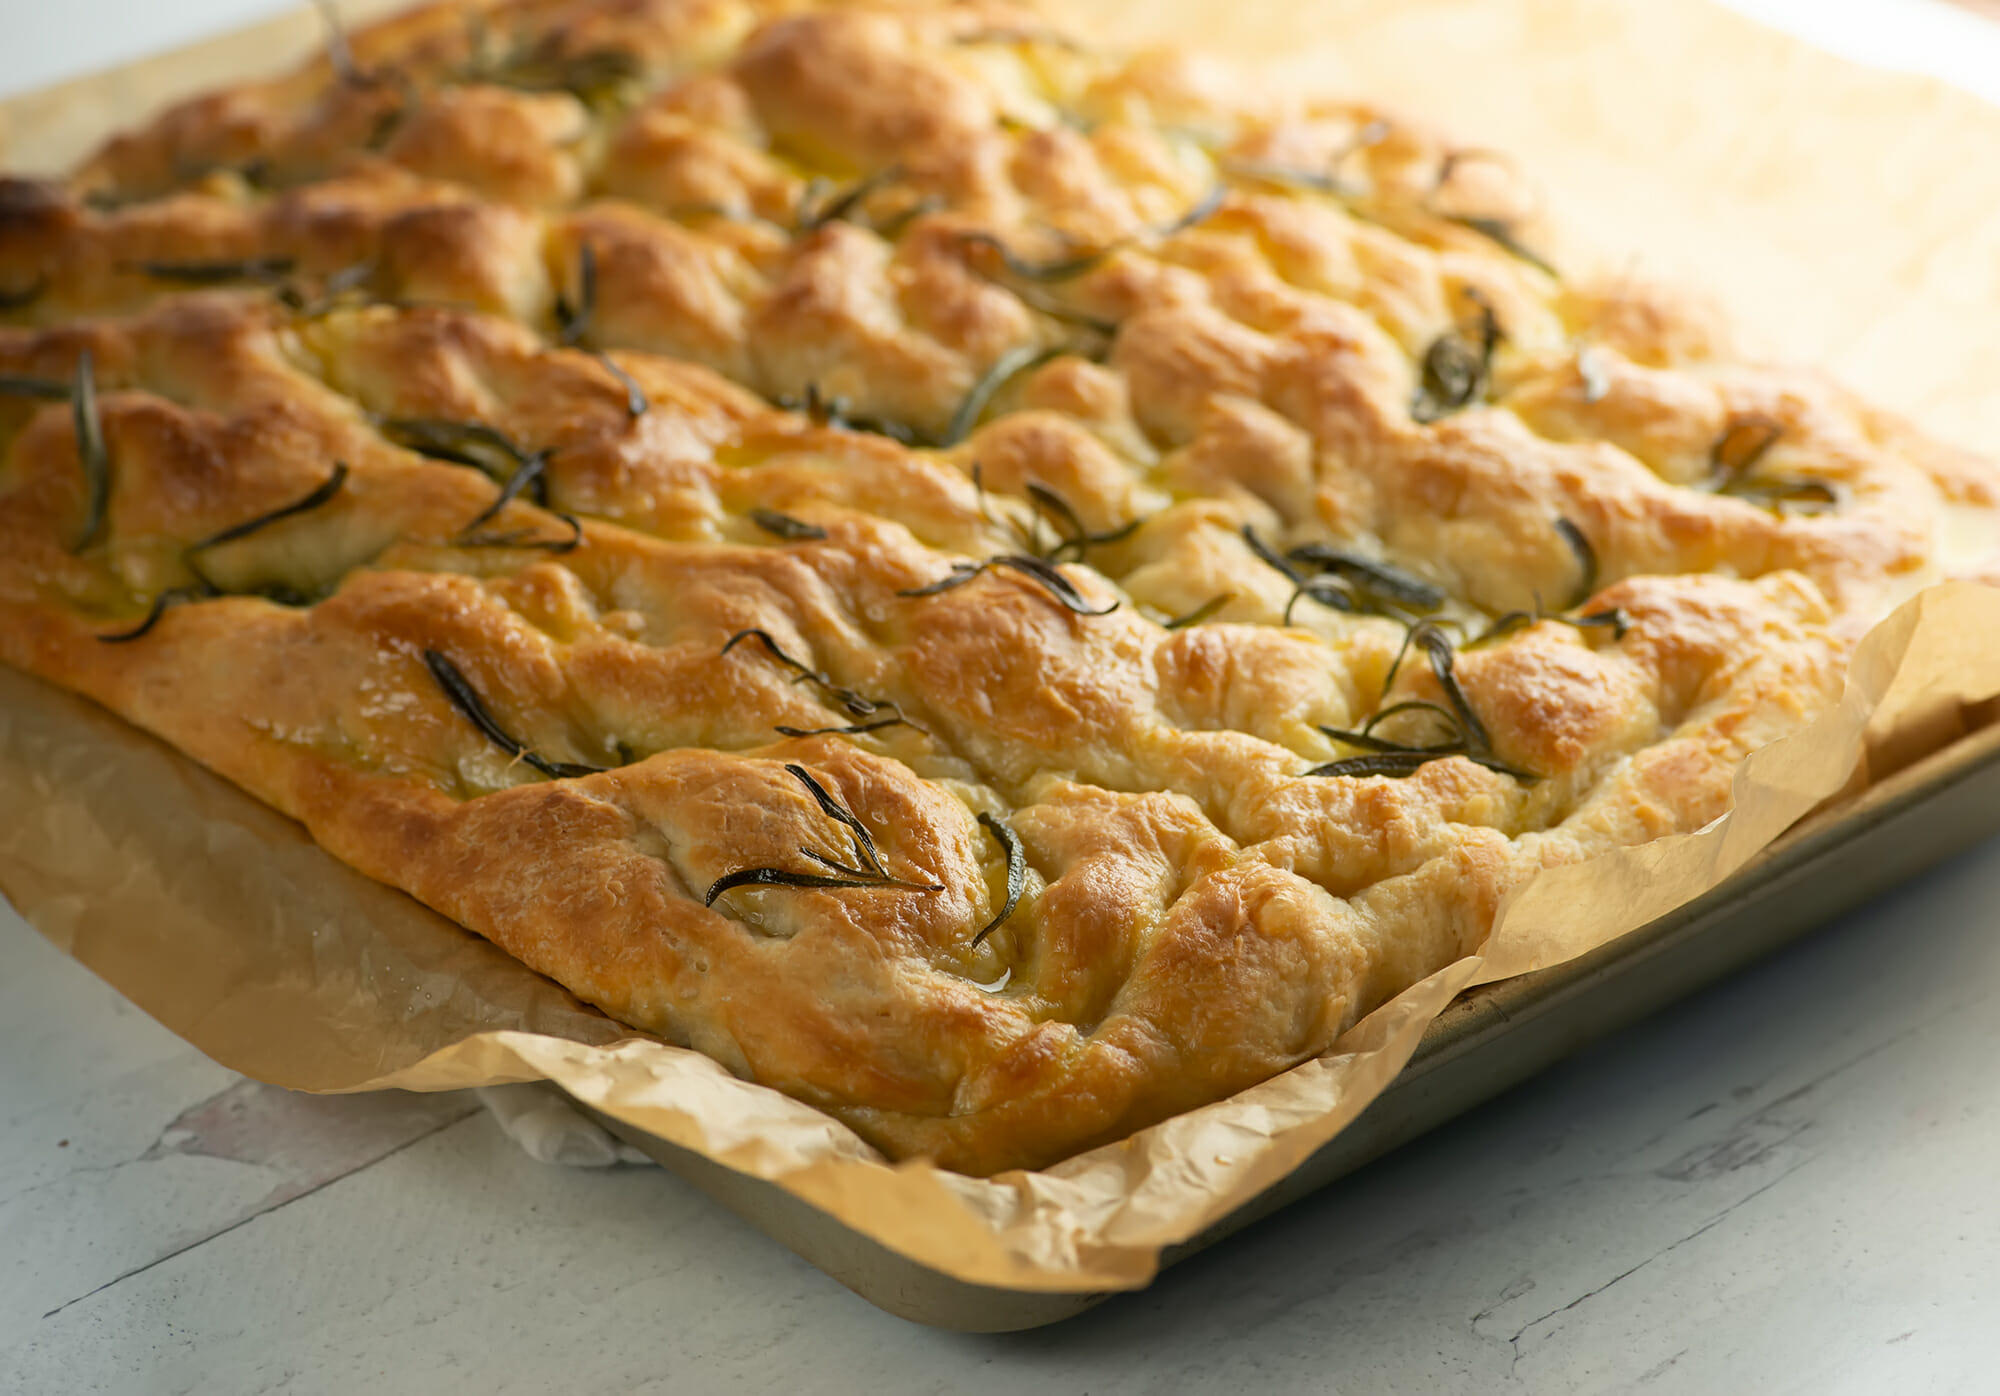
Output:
x=526 y=537
x=484 y=448
x=1076 y=539
x=527 y=475
x=1437 y=648
x=1200 y=613
x=1405 y=763
x=1058 y=269
x=321 y=494
x=1043 y=573
x=813 y=215
x=172 y=596
x=833 y=412
x=1017 y=872
x=855 y=705
x=852 y=729
x=1500 y=231
x=1017 y=360
x=1738 y=452
x=47 y=389
x=1586 y=562
x=461 y=694
x=785 y=526
x=1371 y=574
x=1457 y=368
x=1076 y=264
x=268 y=270
x=338 y=53
x=866 y=870
x=1268 y=555
x=573 y=326
x=91 y=454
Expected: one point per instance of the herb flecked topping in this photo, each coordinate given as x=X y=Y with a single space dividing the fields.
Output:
x=1037 y=570
x=864 y=867
x=870 y=714
x=1464 y=734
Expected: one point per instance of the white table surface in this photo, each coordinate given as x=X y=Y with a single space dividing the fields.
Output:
x=1787 y=1183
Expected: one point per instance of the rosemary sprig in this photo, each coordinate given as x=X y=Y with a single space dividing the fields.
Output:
x=1741 y=449
x=461 y=694
x=1037 y=570
x=91 y=453
x=1466 y=735
x=268 y=270
x=526 y=538
x=785 y=526
x=321 y=494
x=1017 y=872
x=1060 y=269
x=865 y=869
x=1366 y=739
x=1405 y=763
x=335 y=289
x=601 y=79
x=1287 y=177
x=573 y=324
x=1027 y=279
x=852 y=729
x=1586 y=587
x=1042 y=303
x=1076 y=539
x=1505 y=625
x=339 y=54
x=1586 y=561
x=1346 y=581
x=1200 y=613
x=1499 y=231
x=1268 y=555
x=1324 y=181
x=172 y=596
x=1003 y=370
x=855 y=705
x=205 y=590
x=819 y=206
x=27 y=295
x=486 y=449
x=47 y=389
x=529 y=475
x=1457 y=367
x=1743 y=444
x=1076 y=264
x=1432 y=639
x=833 y=412
x=1379 y=579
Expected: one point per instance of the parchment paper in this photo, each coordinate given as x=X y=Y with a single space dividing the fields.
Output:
x=1848 y=217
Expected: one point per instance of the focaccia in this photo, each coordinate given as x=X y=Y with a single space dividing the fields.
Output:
x=1004 y=589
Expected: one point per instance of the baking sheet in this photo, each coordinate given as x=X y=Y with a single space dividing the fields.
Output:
x=1489 y=1039
x=1653 y=125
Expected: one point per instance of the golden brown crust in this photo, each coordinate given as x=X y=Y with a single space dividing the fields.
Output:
x=899 y=291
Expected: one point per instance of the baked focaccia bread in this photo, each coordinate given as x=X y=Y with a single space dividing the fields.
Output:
x=1003 y=589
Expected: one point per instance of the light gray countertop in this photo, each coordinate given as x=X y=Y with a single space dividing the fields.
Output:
x=1786 y=1183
